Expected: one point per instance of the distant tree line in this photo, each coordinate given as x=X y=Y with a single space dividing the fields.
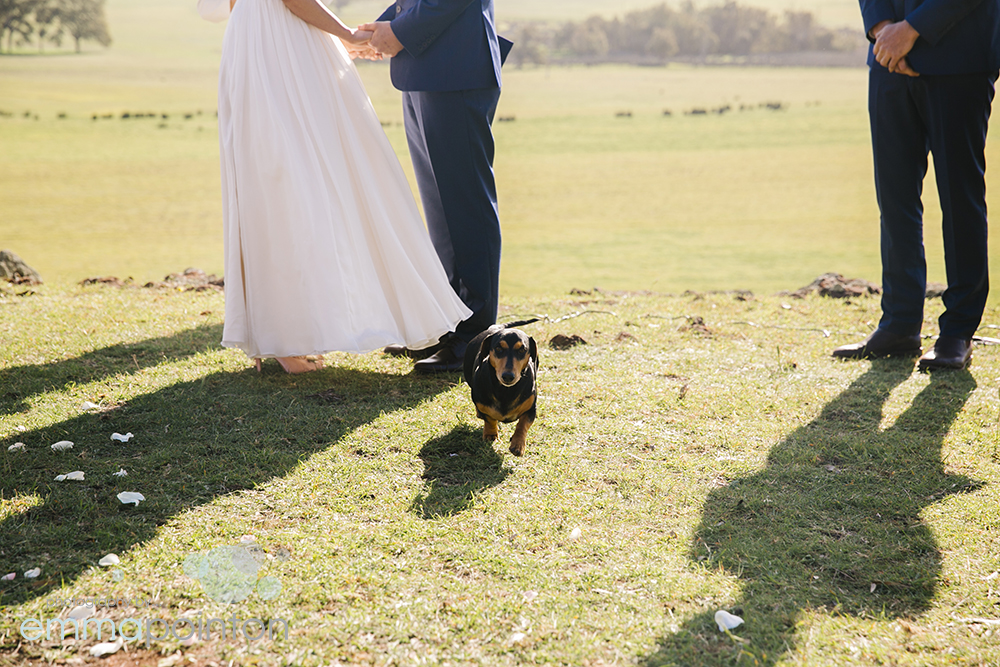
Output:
x=663 y=32
x=52 y=21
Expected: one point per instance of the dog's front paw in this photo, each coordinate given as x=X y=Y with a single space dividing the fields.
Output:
x=517 y=445
x=490 y=431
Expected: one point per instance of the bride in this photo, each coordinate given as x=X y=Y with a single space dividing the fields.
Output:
x=324 y=246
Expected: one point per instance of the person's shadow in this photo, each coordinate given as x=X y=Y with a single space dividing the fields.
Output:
x=456 y=467
x=194 y=441
x=19 y=384
x=832 y=523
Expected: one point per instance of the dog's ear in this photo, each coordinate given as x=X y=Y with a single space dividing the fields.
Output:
x=533 y=351
x=484 y=347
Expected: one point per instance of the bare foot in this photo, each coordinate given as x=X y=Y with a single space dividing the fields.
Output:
x=294 y=365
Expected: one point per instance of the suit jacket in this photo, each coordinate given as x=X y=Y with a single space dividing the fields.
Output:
x=956 y=36
x=448 y=45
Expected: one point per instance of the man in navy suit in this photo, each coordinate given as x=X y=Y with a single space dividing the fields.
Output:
x=933 y=67
x=446 y=58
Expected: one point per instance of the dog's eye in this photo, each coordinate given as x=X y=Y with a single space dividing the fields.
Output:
x=503 y=345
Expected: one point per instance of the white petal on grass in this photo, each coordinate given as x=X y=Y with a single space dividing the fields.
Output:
x=122 y=438
x=87 y=405
x=62 y=446
x=9 y=577
x=575 y=534
x=516 y=638
x=133 y=497
x=873 y=587
x=110 y=559
x=33 y=573
x=120 y=473
x=529 y=596
x=81 y=612
x=106 y=648
x=75 y=476
x=17 y=446
x=727 y=621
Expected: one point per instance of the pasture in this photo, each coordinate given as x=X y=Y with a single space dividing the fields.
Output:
x=699 y=452
x=755 y=200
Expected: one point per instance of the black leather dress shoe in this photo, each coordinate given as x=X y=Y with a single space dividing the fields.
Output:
x=403 y=351
x=880 y=344
x=948 y=352
x=449 y=359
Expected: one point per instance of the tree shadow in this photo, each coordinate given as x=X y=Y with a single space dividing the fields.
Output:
x=456 y=467
x=194 y=441
x=832 y=524
x=19 y=383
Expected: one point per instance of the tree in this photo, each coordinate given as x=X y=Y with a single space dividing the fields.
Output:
x=15 y=20
x=589 y=39
x=663 y=43
x=47 y=20
x=84 y=19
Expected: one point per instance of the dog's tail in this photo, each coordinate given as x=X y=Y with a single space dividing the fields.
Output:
x=521 y=323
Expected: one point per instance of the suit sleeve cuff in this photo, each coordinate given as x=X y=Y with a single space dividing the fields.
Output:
x=872 y=19
x=412 y=39
x=923 y=23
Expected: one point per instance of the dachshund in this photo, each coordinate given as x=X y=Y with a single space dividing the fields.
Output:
x=501 y=364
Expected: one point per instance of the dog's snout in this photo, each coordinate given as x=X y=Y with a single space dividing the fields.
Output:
x=507 y=377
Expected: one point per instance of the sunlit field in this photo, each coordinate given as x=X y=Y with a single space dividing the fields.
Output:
x=696 y=451
x=756 y=199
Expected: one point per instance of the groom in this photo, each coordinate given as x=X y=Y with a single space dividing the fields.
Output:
x=446 y=60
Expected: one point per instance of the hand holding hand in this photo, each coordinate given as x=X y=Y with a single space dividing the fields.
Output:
x=383 y=39
x=893 y=41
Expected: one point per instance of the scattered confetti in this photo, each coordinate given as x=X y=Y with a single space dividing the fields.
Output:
x=110 y=559
x=727 y=621
x=62 y=446
x=106 y=648
x=81 y=612
x=121 y=438
x=127 y=497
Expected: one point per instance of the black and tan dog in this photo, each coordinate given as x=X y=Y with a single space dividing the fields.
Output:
x=500 y=366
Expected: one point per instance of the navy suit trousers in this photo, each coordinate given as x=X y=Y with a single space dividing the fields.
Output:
x=451 y=144
x=946 y=115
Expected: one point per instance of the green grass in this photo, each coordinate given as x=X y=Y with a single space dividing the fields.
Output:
x=756 y=200
x=738 y=469
x=741 y=468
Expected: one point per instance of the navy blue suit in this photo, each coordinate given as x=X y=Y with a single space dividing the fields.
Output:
x=945 y=111
x=449 y=72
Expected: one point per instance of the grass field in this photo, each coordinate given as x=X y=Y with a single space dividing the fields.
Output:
x=846 y=511
x=756 y=200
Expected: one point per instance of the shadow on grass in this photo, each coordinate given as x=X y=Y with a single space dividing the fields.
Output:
x=20 y=383
x=456 y=467
x=194 y=441
x=832 y=524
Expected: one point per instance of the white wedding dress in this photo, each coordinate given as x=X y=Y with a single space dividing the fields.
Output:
x=324 y=246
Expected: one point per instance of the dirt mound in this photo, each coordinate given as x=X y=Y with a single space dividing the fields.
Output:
x=190 y=280
x=837 y=286
x=15 y=270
